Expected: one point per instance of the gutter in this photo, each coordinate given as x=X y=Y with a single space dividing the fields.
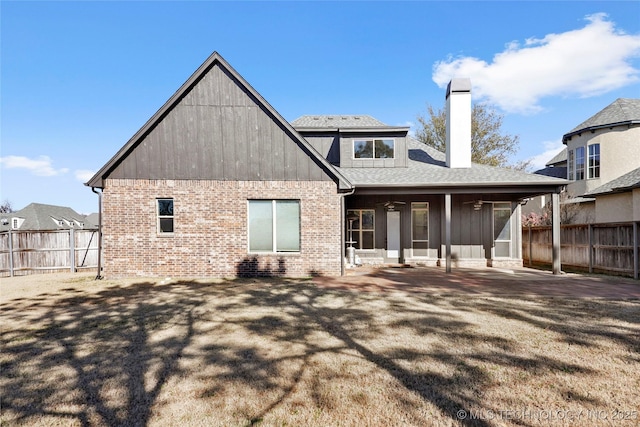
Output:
x=569 y=135
x=99 y=275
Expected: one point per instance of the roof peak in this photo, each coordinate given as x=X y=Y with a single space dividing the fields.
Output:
x=619 y=112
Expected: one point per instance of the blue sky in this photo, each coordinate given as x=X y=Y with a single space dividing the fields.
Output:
x=78 y=79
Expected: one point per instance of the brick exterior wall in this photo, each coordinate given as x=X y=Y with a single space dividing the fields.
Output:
x=210 y=229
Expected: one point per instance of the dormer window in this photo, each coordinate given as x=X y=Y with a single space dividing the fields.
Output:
x=373 y=149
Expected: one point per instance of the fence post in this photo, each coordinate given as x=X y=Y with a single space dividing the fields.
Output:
x=635 y=250
x=10 y=253
x=72 y=249
x=591 y=249
x=530 y=248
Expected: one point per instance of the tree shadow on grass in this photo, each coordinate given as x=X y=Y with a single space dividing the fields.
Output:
x=105 y=358
x=110 y=352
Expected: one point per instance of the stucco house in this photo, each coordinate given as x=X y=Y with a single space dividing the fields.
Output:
x=218 y=183
x=601 y=158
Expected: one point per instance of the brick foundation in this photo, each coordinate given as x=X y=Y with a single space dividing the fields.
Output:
x=210 y=229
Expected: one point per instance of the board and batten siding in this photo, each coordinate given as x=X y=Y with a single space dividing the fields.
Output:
x=218 y=131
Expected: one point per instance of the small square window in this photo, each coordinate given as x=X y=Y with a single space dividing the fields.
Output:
x=165 y=215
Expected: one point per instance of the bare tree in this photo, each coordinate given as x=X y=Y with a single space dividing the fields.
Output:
x=6 y=207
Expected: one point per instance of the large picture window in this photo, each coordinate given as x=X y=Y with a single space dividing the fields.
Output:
x=579 y=163
x=420 y=228
x=274 y=226
x=362 y=230
x=373 y=149
x=165 y=215
x=594 y=161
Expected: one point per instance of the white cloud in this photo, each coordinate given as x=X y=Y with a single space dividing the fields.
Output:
x=551 y=148
x=589 y=61
x=42 y=166
x=84 y=175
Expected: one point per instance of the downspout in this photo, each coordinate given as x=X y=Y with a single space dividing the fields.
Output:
x=343 y=216
x=99 y=275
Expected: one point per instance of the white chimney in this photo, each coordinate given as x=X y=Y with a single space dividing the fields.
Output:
x=459 y=123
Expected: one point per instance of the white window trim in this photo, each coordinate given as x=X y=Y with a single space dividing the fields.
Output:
x=359 y=230
x=428 y=225
x=584 y=164
x=588 y=162
x=493 y=224
x=571 y=166
x=158 y=217
x=274 y=228
x=373 y=140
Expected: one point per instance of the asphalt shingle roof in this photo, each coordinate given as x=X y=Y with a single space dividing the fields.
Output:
x=38 y=216
x=561 y=157
x=427 y=167
x=336 y=121
x=625 y=182
x=555 y=171
x=621 y=111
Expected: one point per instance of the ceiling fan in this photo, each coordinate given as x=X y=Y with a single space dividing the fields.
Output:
x=391 y=205
x=477 y=204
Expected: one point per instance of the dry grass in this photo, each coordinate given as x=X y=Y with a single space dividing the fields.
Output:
x=278 y=352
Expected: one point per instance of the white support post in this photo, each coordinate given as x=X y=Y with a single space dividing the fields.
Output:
x=447 y=231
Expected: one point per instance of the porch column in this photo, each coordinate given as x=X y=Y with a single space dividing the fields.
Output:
x=555 y=232
x=447 y=231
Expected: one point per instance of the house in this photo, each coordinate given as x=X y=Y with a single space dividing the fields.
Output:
x=41 y=217
x=217 y=183
x=602 y=154
x=618 y=200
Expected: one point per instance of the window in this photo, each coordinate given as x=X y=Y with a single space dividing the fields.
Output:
x=274 y=225
x=579 y=163
x=571 y=165
x=420 y=228
x=361 y=230
x=373 y=148
x=165 y=215
x=15 y=223
x=502 y=229
x=594 y=161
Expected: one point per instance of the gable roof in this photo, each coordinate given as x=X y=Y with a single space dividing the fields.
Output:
x=623 y=111
x=38 y=216
x=427 y=168
x=214 y=59
x=561 y=157
x=626 y=182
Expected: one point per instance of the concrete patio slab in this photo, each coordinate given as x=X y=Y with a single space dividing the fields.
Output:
x=483 y=281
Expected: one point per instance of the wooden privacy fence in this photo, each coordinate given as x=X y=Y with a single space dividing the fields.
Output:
x=602 y=248
x=28 y=252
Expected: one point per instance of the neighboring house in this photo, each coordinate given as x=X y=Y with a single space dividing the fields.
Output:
x=217 y=183
x=599 y=151
x=38 y=216
x=618 y=200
